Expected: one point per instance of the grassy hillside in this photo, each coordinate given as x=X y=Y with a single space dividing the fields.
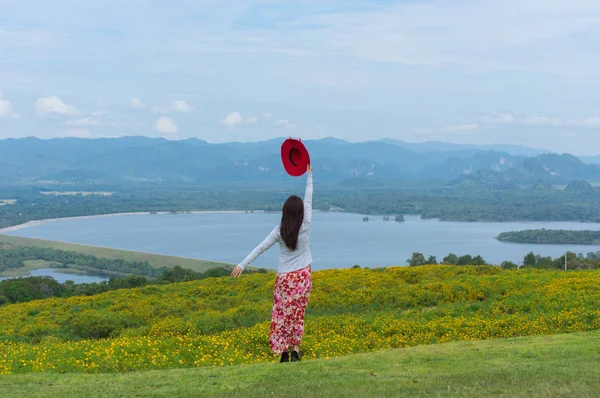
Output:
x=541 y=366
x=156 y=260
x=222 y=321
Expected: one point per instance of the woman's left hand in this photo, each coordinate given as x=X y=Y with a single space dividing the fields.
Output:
x=237 y=271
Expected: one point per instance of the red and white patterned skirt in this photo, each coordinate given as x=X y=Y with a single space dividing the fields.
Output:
x=290 y=298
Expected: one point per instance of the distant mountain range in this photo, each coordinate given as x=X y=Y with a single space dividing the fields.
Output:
x=437 y=146
x=142 y=160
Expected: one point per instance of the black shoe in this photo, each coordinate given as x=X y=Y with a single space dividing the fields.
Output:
x=285 y=357
x=295 y=356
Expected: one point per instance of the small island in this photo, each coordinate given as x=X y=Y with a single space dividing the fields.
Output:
x=551 y=236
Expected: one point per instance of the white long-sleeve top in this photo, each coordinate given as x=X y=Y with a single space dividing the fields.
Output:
x=289 y=260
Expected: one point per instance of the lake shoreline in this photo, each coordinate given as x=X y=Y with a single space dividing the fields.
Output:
x=138 y=213
x=340 y=239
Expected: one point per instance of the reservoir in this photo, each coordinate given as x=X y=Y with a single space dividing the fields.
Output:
x=339 y=240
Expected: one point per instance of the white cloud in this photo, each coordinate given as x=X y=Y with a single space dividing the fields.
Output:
x=233 y=119
x=99 y=113
x=166 y=127
x=251 y=120
x=136 y=103
x=535 y=120
x=554 y=36
x=54 y=105
x=181 y=106
x=78 y=133
x=285 y=124
x=500 y=118
x=587 y=122
x=86 y=121
x=157 y=109
x=6 y=109
x=469 y=33
x=461 y=127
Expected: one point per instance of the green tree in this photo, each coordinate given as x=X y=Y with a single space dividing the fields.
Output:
x=416 y=259
x=465 y=260
x=508 y=265
x=478 y=260
x=450 y=259
x=530 y=260
x=432 y=260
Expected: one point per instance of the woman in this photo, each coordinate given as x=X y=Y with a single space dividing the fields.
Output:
x=293 y=284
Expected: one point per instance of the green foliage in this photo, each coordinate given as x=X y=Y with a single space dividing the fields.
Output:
x=220 y=321
x=14 y=257
x=156 y=260
x=417 y=259
x=574 y=261
x=537 y=366
x=465 y=260
x=551 y=237
x=450 y=259
x=26 y=289
x=529 y=260
x=478 y=260
x=136 y=274
x=508 y=265
x=447 y=203
x=472 y=204
x=97 y=325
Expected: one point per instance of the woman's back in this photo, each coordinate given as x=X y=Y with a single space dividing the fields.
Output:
x=290 y=260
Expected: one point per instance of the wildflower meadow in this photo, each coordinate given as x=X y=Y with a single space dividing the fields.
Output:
x=224 y=321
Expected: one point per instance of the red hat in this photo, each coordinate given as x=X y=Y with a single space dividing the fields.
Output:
x=295 y=157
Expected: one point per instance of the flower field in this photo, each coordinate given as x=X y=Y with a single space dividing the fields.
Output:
x=223 y=321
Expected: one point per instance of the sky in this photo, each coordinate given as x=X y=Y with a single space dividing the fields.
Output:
x=466 y=71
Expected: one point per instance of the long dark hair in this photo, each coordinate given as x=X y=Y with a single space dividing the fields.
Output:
x=291 y=221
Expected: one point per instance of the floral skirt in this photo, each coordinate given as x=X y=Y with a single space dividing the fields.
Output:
x=290 y=298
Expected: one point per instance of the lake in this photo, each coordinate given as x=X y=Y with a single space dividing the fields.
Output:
x=339 y=240
x=62 y=277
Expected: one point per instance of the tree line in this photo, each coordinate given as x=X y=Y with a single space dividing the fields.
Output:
x=446 y=203
x=574 y=261
x=418 y=258
x=551 y=236
x=15 y=257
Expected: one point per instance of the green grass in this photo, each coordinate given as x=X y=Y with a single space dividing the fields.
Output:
x=156 y=260
x=30 y=265
x=540 y=366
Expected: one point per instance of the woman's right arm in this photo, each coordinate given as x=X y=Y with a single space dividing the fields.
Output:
x=260 y=249
x=308 y=196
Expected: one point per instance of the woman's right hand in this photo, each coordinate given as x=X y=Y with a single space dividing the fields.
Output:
x=237 y=271
x=309 y=168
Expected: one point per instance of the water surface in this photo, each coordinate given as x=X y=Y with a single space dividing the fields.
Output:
x=338 y=240
x=61 y=277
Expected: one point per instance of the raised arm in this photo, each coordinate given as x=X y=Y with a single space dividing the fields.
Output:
x=308 y=197
x=260 y=249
